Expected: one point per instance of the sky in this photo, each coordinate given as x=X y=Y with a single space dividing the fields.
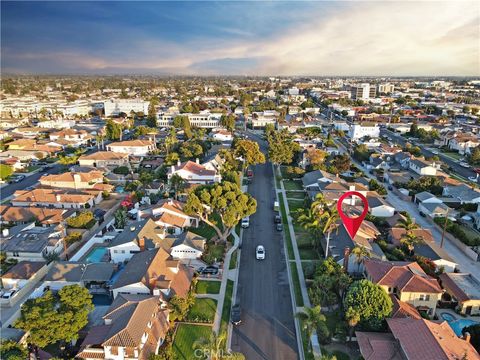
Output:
x=361 y=38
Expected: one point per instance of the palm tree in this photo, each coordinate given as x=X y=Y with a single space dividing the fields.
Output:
x=360 y=254
x=328 y=219
x=213 y=346
x=353 y=318
x=311 y=318
x=409 y=239
x=407 y=223
x=308 y=219
x=177 y=183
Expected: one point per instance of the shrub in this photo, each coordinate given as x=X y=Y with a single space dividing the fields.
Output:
x=121 y=170
x=293 y=172
x=73 y=237
x=84 y=220
x=323 y=333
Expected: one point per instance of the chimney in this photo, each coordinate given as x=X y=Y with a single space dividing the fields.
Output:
x=173 y=168
x=197 y=161
x=5 y=232
x=346 y=257
x=58 y=197
x=467 y=337
x=141 y=244
x=179 y=163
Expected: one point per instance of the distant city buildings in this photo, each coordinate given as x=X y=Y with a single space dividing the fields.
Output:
x=363 y=91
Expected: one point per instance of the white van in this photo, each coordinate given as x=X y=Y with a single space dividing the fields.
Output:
x=276 y=206
x=245 y=222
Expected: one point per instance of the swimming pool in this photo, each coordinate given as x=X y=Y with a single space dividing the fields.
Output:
x=458 y=325
x=119 y=189
x=96 y=255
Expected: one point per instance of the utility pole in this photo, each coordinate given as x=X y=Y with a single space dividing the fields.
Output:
x=444 y=228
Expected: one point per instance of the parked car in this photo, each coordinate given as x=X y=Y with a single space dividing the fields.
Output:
x=278 y=219
x=279 y=227
x=260 y=252
x=464 y=164
x=236 y=315
x=18 y=178
x=473 y=178
x=245 y=222
x=8 y=294
x=209 y=270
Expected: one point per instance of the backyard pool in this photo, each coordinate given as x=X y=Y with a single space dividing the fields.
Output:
x=96 y=255
x=119 y=189
x=458 y=325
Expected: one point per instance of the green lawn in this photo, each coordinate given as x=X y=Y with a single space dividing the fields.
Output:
x=452 y=154
x=233 y=261
x=185 y=336
x=472 y=234
x=208 y=287
x=292 y=185
x=295 y=195
x=227 y=305
x=294 y=205
x=285 y=229
x=206 y=230
x=333 y=318
x=203 y=310
x=296 y=284
x=308 y=253
x=214 y=251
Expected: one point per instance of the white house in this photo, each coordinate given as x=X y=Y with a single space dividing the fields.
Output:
x=132 y=147
x=117 y=106
x=169 y=214
x=379 y=207
x=358 y=131
x=222 y=135
x=194 y=173
x=422 y=167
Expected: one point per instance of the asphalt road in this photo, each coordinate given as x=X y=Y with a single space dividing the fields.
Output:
x=456 y=168
x=267 y=330
x=31 y=180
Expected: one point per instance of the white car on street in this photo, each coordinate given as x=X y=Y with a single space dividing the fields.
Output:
x=260 y=252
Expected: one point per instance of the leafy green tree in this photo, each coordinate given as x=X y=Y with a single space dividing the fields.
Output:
x=171 y=140
x=5 y=171
x=341 y=163
x=361 y=153
x=474 y=158
x=84 y=220
x=225 y=200
x=10 y=350
x=190 y=150
x=178 y=184
x=49 y=319
x=311 y=318
x=120 y=218
x=373 y=185
x=329 y=283
x=152 y=113
x=183 y=122
x=317 y=158
x=281 y=147
x=353 y=318
x=370 y=301
x=113 y=130
x=360 y=254
x=250 y=151
x=172 y=158
x=228 y=122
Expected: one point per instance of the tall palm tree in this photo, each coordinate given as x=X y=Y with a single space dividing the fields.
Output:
x=407 y=223
x=353 y=318
x=409 y=239
x=360 y=254
x=328 y=219
x=311 y=318
x=308 y=220
x=213 y=346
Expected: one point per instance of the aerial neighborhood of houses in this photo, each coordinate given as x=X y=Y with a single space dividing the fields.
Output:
x=137 y=195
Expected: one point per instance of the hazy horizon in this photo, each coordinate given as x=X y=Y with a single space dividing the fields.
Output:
x=329 y=38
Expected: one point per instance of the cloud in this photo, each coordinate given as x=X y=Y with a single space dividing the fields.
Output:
x=351 y=38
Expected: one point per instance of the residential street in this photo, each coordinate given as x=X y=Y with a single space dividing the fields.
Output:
x=267 y=331
x=465 y=263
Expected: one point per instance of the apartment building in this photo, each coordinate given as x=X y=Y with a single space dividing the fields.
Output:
x=363 y=91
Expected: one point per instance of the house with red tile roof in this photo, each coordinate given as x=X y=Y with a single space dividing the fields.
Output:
x=169 y=214
x=415 y=339
x=154 y=272
x=407 y=281
x=22 y=215
x=103 y=159
x=60 y=199
x=134 y=328
x=194 y=173
x=73 y=180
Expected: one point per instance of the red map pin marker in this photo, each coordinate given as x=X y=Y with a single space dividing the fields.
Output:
x=352 y=224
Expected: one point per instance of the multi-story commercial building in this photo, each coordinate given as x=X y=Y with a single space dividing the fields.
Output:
x=358 y=131
x=385 y=88
x=204 y=119
x=363 y=91
x=116 y=106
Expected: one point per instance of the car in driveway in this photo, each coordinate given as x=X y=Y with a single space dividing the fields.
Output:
x=260 y=252
x=209 y=270
x=236 y=314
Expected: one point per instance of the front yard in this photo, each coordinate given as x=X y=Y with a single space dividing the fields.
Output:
x=185 y=337
x=208 y=287
x=202 y=311
x=290 y=185
x=227 y=305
